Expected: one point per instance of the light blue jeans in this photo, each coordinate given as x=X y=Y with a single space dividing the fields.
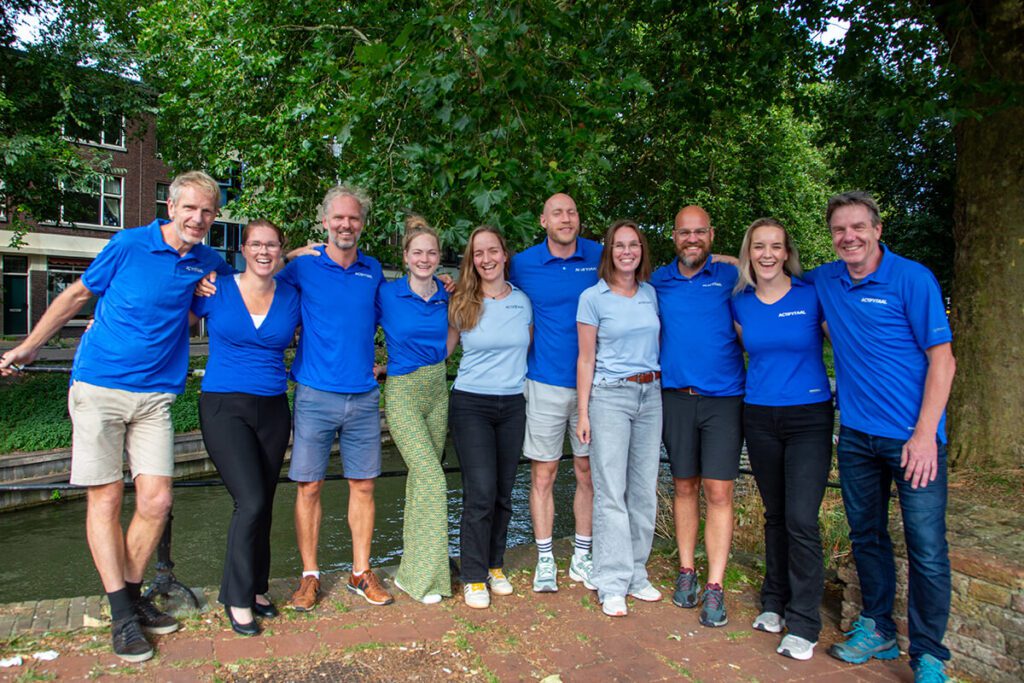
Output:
x=625 y=424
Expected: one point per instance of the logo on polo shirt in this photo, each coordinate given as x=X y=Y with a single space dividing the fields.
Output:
x=586 y=269
x=786 y=314
x=873 y=300
x=367 y=275
x=712 y=284
x=194 y=269
x=515 y=307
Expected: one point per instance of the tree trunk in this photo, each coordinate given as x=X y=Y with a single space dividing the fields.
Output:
x=986 y=411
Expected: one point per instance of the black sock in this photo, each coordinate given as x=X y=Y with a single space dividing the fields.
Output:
x=121 y=605
x=134 y=590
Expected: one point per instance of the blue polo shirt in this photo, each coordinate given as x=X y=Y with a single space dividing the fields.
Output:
x=699 y=348
x=494 y=352
x=553 y=286
x=627 y=330
x=244 y=358
x=783 y=341
x=880 y=330
x=139 y=337
x=339 y=319
x=416 y=330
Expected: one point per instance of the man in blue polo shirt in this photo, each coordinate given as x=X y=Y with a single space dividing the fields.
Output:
x=702 y=401
x=894 y=368
x=553 y=274
x=128 y=368
x=336 y=393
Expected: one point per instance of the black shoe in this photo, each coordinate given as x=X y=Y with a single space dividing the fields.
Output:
x=129 y=643
x=250 y=629
x=268 y=611
x=152 y=620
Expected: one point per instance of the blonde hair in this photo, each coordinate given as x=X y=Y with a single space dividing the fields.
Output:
x=198 y=180
x=357 y=193
x=467 y=301
x=416 y=225
x=747 y=277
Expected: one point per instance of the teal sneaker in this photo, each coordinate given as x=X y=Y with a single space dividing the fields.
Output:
x=713 y=612
x=928 y=669
x=685 y=594
x=581 y=568
x=864 y=643
x=544 y=580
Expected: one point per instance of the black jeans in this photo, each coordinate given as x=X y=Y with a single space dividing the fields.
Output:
x=246 y=436
x=790 y=449
x=488 y=435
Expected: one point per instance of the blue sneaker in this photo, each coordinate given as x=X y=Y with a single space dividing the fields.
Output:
x=928 y=669
x=713 y=612
x=685 y=594
x=864 y=643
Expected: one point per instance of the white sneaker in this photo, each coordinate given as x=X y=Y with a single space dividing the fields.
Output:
x=581 y=568
x=428 y=599
x=544 y=576
x=498 y=583
x=796 y=647
x=648 y=594
x=769 y=622
x=476 y=595
x=614 y=606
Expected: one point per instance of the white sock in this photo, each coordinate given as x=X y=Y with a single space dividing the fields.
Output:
x=583 y=545
x=315 y=574
x=544 y=548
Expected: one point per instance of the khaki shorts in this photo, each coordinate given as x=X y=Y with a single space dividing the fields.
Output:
x=110 y=424
x=549 y=411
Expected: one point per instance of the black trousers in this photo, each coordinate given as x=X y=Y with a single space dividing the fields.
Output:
x=246 y=436
x=790 y=449
x=488 y=435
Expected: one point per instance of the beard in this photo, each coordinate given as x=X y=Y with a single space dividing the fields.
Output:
x=693 y=260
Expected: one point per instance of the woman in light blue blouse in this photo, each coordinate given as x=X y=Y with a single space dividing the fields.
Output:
x=787 y=421
x=243 y=412
x=618 y=380
x=494 y=322
x=413 y=311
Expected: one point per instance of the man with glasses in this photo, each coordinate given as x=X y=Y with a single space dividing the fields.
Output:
x=128 y=368
x=702 y=398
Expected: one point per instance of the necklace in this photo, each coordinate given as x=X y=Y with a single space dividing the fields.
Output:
x=504 y=290
x=430 y=290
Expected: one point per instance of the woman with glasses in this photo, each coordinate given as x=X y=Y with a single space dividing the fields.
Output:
x=618 y=380
x=413 y=311
x=787 y=421
x=243 y=412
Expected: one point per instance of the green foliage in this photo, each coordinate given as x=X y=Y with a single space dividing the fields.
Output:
x=33 y=410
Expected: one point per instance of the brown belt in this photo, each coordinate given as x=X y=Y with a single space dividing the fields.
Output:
x=689 y=391
x=645 y=377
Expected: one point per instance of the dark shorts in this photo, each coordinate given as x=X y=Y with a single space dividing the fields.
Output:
x=703 y=435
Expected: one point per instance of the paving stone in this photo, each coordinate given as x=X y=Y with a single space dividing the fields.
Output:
x=239 y=647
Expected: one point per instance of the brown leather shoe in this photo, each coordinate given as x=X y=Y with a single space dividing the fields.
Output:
x=305 y=597
x=368 y=585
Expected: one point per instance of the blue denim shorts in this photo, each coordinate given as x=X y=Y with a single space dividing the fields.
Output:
x=320 y=416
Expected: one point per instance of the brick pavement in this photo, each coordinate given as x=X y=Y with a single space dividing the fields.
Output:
x=523 y=637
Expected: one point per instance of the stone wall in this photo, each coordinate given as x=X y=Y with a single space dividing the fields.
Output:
x=986 y=625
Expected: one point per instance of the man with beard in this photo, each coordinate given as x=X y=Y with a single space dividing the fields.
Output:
x=336 y=392
x=702 y=397
x=553 y=273
x=128 y=368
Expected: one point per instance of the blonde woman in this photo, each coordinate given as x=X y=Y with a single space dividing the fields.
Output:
x=414 y=314
x=494 y=322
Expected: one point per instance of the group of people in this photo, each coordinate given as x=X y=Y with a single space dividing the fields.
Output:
x=567 y=338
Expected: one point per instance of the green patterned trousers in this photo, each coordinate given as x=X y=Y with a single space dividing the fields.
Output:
x=416 y=406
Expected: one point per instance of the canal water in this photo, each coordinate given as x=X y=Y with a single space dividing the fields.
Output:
x=43 y=552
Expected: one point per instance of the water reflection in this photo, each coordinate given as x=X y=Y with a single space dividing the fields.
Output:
x=43 y=552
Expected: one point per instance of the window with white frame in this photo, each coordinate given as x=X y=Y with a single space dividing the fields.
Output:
x=60 y=274
x=163 y=192
x=105 y=130
x=102 y=208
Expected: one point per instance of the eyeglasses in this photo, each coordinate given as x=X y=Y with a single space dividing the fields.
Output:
x=699 y=232
x=260 y=246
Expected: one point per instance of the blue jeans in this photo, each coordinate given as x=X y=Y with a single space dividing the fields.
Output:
x=867 y=467
x=625 y=448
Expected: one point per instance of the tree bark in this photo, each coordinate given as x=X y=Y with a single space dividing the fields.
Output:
x=986 y=411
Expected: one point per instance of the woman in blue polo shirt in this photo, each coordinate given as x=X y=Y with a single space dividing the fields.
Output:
x=243 y=411
x=787 y=421
x=413 y=311
x=618 y=380
x=494 y=322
